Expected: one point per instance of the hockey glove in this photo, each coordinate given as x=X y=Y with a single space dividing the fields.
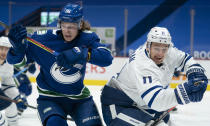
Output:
x=16 y=36
x=176 y=73
x=23 y=83
x=25 y=89
x=196 y=74
x=21 y=103
x=70 y=57
x=32 y=68
x=189 y=92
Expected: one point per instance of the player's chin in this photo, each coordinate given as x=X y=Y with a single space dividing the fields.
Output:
x=158 y=61
x=68 y=39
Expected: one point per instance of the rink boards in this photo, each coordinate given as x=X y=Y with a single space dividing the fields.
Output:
x=96 y=75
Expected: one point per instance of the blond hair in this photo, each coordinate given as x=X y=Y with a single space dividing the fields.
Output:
x=85 y=25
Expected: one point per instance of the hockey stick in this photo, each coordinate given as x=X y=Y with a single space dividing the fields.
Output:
x=34 y=42
x=23 y=70
x=30 y=106
x=157 y=121
x=42 y=46
x=15 y=101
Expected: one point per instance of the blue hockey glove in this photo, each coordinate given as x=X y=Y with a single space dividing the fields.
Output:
x=196 y=73
x=21 y=103
x=190 y=92
x=24 y=84
x=32 y=68
x=25 y=88
x=70 y=57
x=176 y=73
x=16 y=36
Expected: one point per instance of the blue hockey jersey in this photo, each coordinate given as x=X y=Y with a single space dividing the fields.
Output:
x=52 y=81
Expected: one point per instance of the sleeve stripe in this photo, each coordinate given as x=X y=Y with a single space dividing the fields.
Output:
x=149 y=90
x=153 y=98
x=183 y=60
x=185 y=63
x=8 y=88
x=186 y=58
x=101 y=47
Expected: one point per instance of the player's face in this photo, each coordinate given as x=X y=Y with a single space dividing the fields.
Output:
x=158 y=52
x=3 y=52
x=69 y=30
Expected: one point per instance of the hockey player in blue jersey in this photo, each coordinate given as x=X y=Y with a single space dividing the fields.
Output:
x=141 y=89
x=60 y=81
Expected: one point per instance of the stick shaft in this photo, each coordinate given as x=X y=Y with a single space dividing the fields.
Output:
x=162 y=116
x=41 y=46
x=34 y=42
x=14 y=101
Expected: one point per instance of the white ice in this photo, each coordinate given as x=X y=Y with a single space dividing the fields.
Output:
x=193 y=114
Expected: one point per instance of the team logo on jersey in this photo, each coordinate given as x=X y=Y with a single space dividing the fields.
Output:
x=60 y=77
x=68 y=11
x=77 y=50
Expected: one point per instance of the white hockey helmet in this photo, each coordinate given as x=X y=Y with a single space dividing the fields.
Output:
x=159 y=35
x=4 y=41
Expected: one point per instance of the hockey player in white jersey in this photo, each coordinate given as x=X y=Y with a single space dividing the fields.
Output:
x=139 y=94
x=8 y=88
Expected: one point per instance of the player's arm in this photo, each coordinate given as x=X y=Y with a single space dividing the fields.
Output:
x=160 y=98
x=186 y=63
x=9 y=88
x=98 y=53
x=94 y=52
x=17 y=51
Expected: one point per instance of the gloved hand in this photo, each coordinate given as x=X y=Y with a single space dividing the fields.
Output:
x=25 y=88
x=32 y=68
x=23 y=84
x=196 y=73
x=70 y=57
x=16 y=36
x=176 y=73
x=189 y=92
x=21 y=103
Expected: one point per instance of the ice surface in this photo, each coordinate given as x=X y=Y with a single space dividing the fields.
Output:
x=193 y=114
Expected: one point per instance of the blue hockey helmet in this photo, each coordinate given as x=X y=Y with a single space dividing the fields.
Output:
x=72 y=13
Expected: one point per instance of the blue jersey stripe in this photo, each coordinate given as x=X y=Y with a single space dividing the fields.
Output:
x=149 y=90
x=183 y=60
x=153 y=98
x=188 y=57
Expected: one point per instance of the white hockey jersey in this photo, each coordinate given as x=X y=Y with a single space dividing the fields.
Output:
x=7 y=81
x=146 y=83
